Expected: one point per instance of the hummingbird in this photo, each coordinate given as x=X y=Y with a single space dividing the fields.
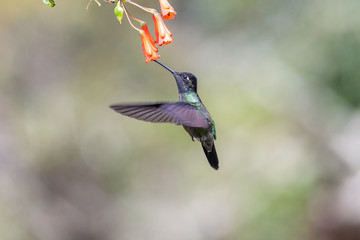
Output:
x=189 y=112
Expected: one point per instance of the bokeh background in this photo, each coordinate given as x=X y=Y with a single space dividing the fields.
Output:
x=280 y=78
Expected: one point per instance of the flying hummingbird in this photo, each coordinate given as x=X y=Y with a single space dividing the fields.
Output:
x=189 y=112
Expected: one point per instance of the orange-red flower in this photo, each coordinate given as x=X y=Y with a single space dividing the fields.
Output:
x=163 y=35
x=167 y=10
x=147 y=33
x=149 y=49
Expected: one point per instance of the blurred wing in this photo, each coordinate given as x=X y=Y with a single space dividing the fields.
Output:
x=176 y=112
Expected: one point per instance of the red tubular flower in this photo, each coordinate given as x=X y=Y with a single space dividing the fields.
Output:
x=147 y=33
x=167 y=10
x=149 y=49
x=163 y=35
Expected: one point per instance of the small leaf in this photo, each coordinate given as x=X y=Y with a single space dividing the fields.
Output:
x=50 y=3
x=119 y=11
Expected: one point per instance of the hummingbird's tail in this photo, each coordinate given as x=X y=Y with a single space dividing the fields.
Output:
x=212 y=157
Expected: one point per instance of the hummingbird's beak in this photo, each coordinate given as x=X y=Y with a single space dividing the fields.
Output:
x=172 y=71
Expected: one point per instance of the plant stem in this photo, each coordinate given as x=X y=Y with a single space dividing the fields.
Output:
x=138 y=20
x=149 y=10
x=127 y=15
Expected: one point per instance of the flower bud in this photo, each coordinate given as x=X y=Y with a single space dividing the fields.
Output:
x=50 y=3
x=119 y=11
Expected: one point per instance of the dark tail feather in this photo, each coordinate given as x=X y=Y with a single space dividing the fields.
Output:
x=212 y=157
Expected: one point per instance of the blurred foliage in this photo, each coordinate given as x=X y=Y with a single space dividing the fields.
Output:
x=280 y=78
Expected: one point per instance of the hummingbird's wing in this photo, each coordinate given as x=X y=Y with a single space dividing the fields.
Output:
x=170 y=112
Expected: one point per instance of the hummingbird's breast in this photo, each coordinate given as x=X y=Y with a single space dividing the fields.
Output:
x=204 y=135
x=190 y=97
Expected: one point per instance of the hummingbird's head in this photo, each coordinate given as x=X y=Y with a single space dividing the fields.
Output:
x=184 y=80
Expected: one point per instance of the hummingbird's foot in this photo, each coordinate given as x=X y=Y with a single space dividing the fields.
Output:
x=192 y=138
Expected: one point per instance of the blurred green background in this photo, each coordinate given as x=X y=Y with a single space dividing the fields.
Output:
x=281 y=79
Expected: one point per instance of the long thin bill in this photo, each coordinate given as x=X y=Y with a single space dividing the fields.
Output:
x=172 y=71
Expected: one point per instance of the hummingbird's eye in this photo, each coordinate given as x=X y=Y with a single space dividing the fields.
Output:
x=185 y=77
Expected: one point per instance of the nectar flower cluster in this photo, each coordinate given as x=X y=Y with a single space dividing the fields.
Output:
x=162 y=33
